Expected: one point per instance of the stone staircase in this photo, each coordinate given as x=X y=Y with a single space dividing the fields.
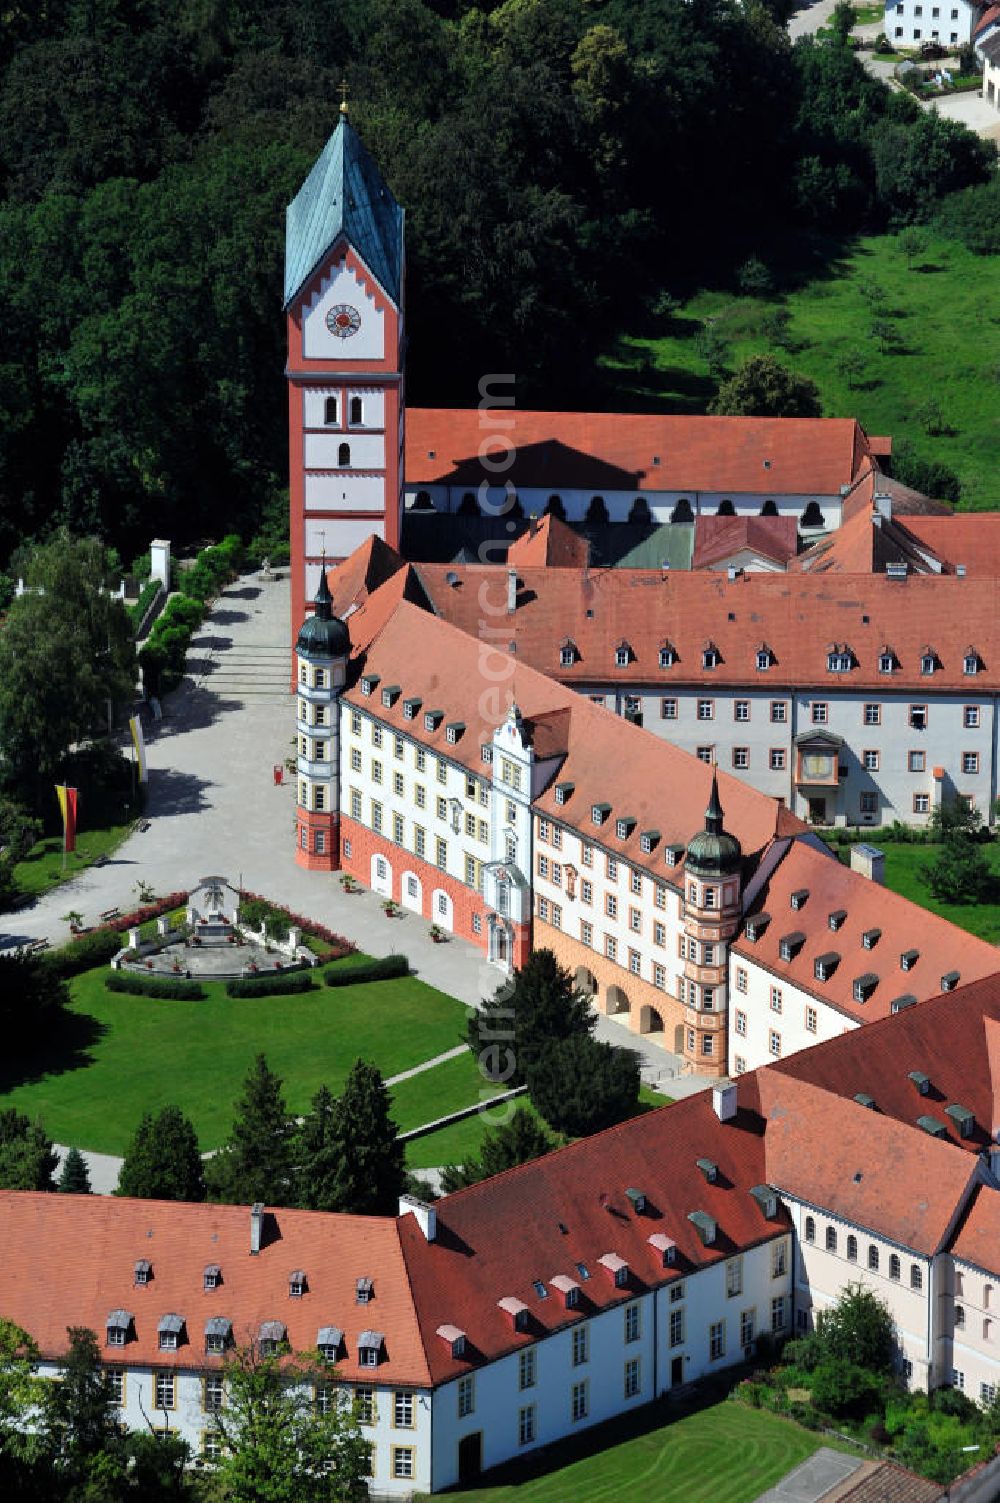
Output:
x=254 y=671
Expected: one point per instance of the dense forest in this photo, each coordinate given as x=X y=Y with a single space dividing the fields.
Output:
x=562 y=164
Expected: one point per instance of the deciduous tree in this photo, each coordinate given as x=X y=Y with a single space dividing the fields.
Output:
x=762 y=387
x=278 y=1446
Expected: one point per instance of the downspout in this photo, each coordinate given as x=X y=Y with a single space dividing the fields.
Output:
x=656 y=1343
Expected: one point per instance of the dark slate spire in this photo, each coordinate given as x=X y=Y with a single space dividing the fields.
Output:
x=344 y=194
x=713 y=852
x=713 y=814
x=323 y=635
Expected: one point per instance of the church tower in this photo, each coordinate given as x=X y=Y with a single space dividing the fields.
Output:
x=344 y=271
x=711 y=910
x=322 y=651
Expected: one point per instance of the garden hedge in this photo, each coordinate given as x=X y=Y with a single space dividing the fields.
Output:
x=83 y=954
x=281 y=984
x=385 y=969
x=173 y=988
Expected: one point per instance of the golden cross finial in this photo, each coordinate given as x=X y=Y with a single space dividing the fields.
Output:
x=344 y=88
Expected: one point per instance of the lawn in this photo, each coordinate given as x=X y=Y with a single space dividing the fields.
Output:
x=723 y=1453
x=434 y=1093
x=903 y=866
x=42 y=867
x=461 y=1140
x=942 y=310
x=133 y=1054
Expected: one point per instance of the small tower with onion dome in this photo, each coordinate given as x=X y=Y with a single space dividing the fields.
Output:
x=322 y=651
x=711 y=908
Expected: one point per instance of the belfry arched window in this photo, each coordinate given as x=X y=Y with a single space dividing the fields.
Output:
x=330 y=410
x=344 y=456
x=357 y=410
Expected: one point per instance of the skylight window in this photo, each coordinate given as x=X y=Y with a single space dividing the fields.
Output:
x=540 y=1289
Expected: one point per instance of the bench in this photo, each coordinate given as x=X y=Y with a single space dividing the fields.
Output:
x=109 y=914
x=38 y=944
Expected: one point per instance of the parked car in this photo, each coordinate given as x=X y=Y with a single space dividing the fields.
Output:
x=931 y=51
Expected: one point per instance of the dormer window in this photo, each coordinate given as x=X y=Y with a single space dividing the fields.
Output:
x=486 y=753
x=364 y=1291
x=908 y=959
x=516 y=1309
x=328 y=1340
x=410 y=708
x=118 y=1326
x=789 y=945
x=950 y=980
x=563 y=792
x=668 y=655
x=710 y=656
x=368 y=684
x=870 y=938
x=389 y=695
x=453 y=732
x=839 y=660
x=837 y=918
x=887 y=661
x=143 y=1271
x=799 y=898
x=624 y=827
x=648 y=841
x=218 y=1334
x=169 y=1332
x=970 y=663
x=271 y=1337
x=567 y=654
x=863 y=986
x=212 y=1276
x=765 y=658
x=568 y=1288
x=928 y=661
x=296 y=1284
x=616 y=1267
x=665 y=1246
x=599 y=813
x=825 y=965
x=432 y=719
x=623 y=655
x=453 y=1338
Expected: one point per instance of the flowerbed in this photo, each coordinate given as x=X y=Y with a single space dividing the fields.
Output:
x=256 y=910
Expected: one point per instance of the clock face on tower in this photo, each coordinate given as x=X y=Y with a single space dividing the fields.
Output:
x=343 y=320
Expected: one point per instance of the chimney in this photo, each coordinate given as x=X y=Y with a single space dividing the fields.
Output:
x=724 y=1100
x=532 y=524
x=869 y=861
x=511 y=591
x=256 y=1227
x=426 y=1216
x=883 y=505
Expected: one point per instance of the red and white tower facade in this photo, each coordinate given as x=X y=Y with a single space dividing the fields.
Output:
x=344 y=273
x=322 y=651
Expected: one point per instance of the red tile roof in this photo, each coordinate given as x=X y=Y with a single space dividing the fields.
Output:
x=542 y=1219
x=69 y=1260
x=796 y=616
x=832 y=887
x=647 y=452
x=989 y=17
x=353 y=580
x=897 y=1181
x=549 y=543
x=946 y=1038
x=968 y=538
x=606 y=758
x=978 y=1237
x=716 y=538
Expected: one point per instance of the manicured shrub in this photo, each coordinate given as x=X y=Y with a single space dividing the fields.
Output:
x=281 y=984
x=174 y=988
x=372 y=970
x=83 y=953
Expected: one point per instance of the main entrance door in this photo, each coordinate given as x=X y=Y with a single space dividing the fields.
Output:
x=470 y=1456
x=676 y=1372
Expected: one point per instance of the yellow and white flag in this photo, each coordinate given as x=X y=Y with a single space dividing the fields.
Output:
x=135 y=725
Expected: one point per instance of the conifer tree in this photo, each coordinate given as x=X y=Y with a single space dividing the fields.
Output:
x=518 y=1141
x=318 y=1151
x=73 y=1177
x=257 y=1161
x=163 y=1162
x=27 y=1158
x=364 y=1157
x=542 y=1003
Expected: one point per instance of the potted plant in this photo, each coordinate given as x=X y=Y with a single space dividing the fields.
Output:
x=389 y=907
x=75 y=921
x=176 y=967
x=437 y=933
